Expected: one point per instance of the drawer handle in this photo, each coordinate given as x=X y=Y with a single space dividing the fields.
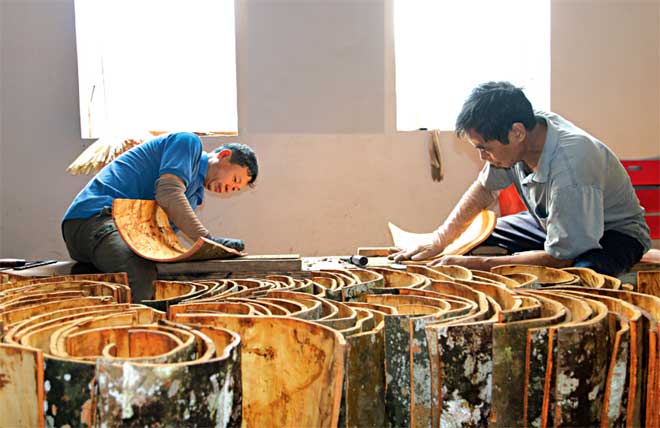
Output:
x=634 y=168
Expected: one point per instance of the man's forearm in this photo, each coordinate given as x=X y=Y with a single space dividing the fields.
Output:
x=474 y=200
x=539 y=258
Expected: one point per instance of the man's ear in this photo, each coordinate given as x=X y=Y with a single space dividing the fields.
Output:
x=517 y=133
x=226 y=153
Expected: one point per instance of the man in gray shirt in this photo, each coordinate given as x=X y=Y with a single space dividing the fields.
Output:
x=582 y=209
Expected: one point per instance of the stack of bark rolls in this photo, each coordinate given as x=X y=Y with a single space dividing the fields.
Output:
x=521 y=346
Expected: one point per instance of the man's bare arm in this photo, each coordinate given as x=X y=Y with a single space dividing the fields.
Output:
x=540 y=258
x=473 y=201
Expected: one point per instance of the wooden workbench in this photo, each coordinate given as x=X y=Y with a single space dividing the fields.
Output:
x=243 y=267
x=250 y=266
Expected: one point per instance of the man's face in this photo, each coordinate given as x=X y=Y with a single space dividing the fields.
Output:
x=493 y=151
x=224 y=176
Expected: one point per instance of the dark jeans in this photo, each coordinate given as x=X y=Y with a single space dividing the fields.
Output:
x=520 y=232
x=96 y=240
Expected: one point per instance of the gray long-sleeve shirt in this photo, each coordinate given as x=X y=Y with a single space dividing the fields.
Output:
x=579 y=190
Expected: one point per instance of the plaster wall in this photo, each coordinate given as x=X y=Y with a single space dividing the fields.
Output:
x=606 y=71
x=2 y=25
x=316 y=101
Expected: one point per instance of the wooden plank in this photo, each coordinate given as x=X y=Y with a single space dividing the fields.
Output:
x=232 y=275
x=267 y=265
x=270 y=257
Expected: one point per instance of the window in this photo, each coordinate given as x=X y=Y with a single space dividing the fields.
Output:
x=444 y=48
x=156 y=65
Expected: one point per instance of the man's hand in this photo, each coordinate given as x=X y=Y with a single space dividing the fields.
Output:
x=235 y=244
x=421 y=252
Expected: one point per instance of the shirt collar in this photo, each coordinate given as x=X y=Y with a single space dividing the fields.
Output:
x=204 y=164
x=549 y=148
x=203 y=169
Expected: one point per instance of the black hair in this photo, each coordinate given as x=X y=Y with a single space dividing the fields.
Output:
x=492 y=108
x=244 y=156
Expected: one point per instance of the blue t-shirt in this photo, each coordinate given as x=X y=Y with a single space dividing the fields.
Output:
x=133 y=175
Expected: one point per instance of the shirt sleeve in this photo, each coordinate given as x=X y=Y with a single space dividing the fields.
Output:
x=575 y=221
x=171 y=197
x=493 y=178
x=180 y=154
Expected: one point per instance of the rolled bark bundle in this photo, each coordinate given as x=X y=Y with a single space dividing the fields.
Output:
x=587 y=277
x=57 y=337
x=546 y=275
x=145 y=228
x=340 y=316
x=196 y=383
x=398 y=279
x=293 y=369
x=348 y=286
x=455 y=272
x=484 y=276
x=647 y=377
x=362 y=327
x=622 y=400
x=407 y=363
x=363 y=398
x=67 y=383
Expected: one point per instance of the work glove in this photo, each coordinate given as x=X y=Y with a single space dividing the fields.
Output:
x=235 y=244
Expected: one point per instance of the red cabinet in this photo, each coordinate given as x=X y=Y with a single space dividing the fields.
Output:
x=645 y=177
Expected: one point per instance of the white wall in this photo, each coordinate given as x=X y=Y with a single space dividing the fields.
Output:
x=312 y=91
x=312 y=67
x=316 y=102
x=2 y=48
x=606 y=71
x=40 y=134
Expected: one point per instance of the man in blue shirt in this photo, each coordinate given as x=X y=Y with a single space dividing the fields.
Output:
x=171 y=169
x=582 y=209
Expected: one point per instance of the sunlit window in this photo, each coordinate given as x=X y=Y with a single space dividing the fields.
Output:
x=156 y=65
x=444 y=48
